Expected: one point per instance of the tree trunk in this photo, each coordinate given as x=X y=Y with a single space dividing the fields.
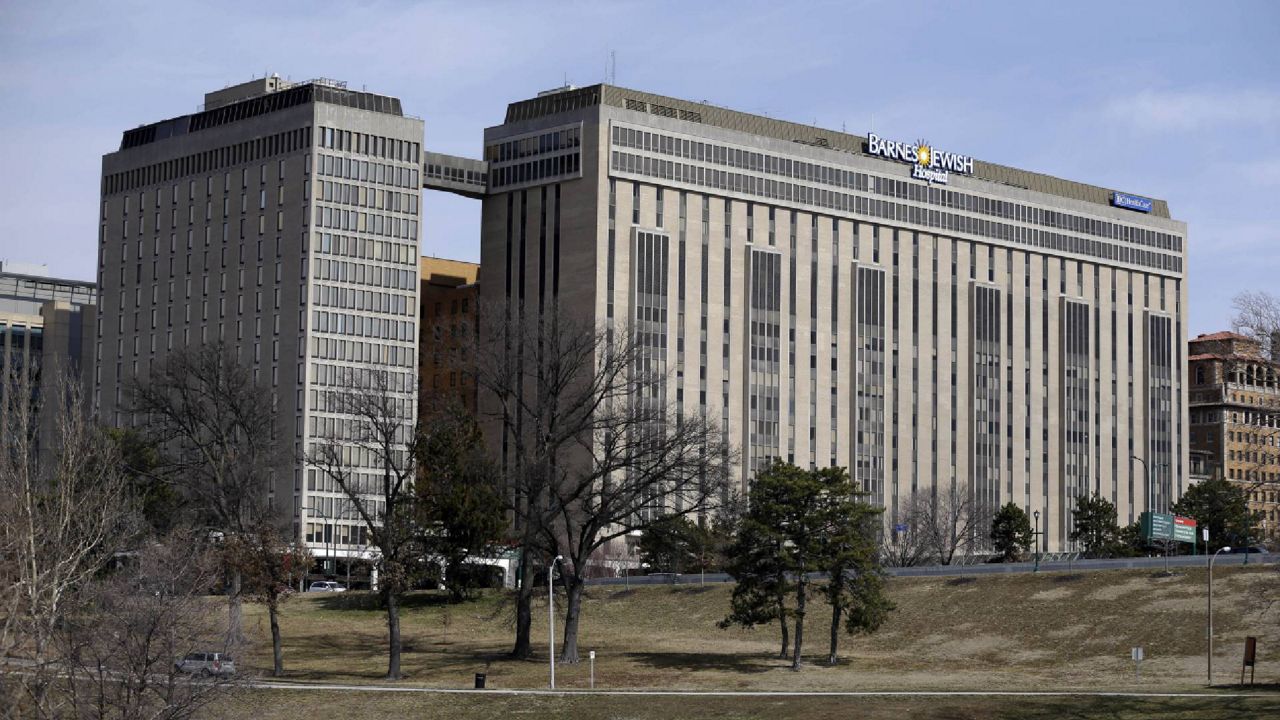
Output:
x=802 y=587
x=234 y=634
x=524 y=609
x=393 y=632
x=782 y=621
x=835 y=629
x=277 y=654
x=569 y=654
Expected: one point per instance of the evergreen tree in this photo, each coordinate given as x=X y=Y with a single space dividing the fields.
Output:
x=800 y=523
x=459 y=503
x=1011 y=532
x=673 y=544
x=1094 y=524
x=1221 y=506
x=855 y=586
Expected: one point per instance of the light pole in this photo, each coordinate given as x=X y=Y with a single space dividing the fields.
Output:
x=1036 y=515
x=1209 y=656
x=551 y=616
x=1146 y=471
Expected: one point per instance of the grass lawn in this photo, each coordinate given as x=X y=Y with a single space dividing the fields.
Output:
x=1048 y=631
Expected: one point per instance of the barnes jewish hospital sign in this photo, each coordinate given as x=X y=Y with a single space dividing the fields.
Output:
x=927 y=163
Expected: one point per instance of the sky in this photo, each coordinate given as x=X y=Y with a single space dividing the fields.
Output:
x=1173 y=100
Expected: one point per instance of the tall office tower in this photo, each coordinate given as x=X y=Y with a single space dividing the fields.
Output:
x=46 y=331
x=282 y=220
x=928 y=320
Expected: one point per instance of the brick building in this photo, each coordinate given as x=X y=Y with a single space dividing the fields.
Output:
x=1235 y=417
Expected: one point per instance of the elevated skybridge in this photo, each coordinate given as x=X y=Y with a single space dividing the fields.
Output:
x=458 y=175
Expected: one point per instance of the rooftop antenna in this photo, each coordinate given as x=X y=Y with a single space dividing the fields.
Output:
x=613 y=67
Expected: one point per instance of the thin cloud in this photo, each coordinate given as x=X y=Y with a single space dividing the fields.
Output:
x=1162 y=110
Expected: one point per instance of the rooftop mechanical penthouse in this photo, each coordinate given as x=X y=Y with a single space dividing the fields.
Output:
x=927 y=319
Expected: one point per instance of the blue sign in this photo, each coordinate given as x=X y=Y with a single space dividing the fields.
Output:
x=900 y=528
x=1131 y=202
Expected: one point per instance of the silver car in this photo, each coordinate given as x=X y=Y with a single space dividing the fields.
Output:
x=206 y=664
x=327 y=586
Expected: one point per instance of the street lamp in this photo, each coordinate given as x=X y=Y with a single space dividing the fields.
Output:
x=1146 y=472
x=1209 y=656
x=1036 y=515
x=551 y=615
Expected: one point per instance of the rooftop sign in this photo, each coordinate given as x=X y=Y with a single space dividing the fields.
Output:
x=1131 y=202
x=928 y=163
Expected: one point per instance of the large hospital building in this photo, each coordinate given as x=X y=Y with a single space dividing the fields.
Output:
x=282 y=219
x=924 y=318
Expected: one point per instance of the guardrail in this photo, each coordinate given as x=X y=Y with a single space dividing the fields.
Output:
x=1068 y=565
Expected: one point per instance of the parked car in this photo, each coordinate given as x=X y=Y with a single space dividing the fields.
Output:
x=206 y=664
x=327 y=586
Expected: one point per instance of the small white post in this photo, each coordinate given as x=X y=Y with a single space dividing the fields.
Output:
x=592 y=656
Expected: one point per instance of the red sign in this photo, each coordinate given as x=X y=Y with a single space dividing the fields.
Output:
x=1179 y=520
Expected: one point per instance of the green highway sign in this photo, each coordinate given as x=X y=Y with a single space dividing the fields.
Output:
x=1163 y=526
x=1156 y=526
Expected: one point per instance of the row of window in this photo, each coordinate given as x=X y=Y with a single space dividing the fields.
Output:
x=339 y=401
x=356 y=534
x=372 y=223
x=362 y=300
x=367 y=197
x=366 y=249
x=372 y=145
x=361 y=352
x=202 y=162
x=361 y=326
x=547 y=142
x=153 y=340
x=366 y=171
x=174 y=195
x=350 y=377
x=953 y=223
x=364 y=274
x=545 y=169
x=889 y=187
x=457 y=175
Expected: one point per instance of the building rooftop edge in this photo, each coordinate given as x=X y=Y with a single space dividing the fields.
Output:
x=714 y=115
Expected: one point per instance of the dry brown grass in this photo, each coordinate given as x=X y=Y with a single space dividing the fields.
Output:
x=1048 y=631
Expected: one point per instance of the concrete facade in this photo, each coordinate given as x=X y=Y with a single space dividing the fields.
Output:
x=282 y=220
x=46 y=329
x=1008 y=332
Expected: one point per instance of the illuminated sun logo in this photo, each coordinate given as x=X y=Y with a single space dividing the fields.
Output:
x=924 y=156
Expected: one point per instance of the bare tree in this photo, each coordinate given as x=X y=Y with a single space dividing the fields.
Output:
x=270 y=563
x=593 y=450
x=905 y=542
x=370 y=457
x=216 y=434
x=950 y=522
x=1257 y=315
x=94 y=616
x=119 y=648
x=65 y=511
